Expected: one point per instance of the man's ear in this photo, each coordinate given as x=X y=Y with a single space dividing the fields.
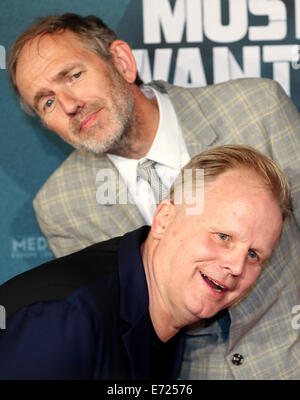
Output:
x=124 y=60
x=162 y=218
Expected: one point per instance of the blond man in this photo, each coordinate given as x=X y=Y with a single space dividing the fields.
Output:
x=117 y=309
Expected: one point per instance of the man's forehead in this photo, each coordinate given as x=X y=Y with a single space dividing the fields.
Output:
x=231 y=179
x=44 y=56
x=44 y=45
x=232 y=192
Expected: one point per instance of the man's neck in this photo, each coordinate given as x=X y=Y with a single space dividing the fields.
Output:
x=143 y=127
x=161 y=320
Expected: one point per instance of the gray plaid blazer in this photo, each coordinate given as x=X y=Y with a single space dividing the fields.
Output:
x=256 y=112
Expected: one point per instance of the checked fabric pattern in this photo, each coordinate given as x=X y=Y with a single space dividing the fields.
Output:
x=256 y=112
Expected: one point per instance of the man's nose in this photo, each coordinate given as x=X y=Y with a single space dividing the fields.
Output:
x=69 y=102
x=235 y=261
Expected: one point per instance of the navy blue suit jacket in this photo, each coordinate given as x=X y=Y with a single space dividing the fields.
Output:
x=82 y=316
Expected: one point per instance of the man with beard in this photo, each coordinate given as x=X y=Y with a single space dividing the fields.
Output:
x=81 y=80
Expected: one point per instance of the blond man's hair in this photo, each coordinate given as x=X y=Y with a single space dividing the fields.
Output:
x=216 y=161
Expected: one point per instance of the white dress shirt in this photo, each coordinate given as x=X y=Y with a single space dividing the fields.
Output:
x=168 y=150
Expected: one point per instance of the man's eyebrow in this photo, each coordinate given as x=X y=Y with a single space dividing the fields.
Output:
x=67 y=68
x=65 y=71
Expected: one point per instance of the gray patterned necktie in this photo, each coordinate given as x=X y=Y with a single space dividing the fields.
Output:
x=147 y=172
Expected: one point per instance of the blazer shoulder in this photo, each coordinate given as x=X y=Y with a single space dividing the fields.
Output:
x=255 y=84
x=79 y=168
x=59 y=278
x=250 y=85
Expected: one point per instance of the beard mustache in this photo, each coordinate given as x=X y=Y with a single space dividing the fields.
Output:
x=112 y=130
x=88 y=141
x=75 y=122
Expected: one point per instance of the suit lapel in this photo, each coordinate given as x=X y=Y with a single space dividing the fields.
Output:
x=137 y=341
x=124 y=216
x=134 y=303
x=197 y=131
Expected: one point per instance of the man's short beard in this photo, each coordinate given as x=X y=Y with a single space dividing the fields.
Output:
x=117 y=143
x=122 y=116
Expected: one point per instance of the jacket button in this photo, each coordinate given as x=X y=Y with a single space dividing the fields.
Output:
x=237 y=359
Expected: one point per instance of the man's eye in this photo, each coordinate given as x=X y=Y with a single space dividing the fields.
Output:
x=223 y=236
x=48 y=103
x=77 y=75
x=252 y=254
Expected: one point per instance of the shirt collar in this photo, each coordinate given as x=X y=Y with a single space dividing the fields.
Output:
x=166 y=147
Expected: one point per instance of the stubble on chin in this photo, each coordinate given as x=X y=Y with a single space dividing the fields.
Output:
x=76 y=120
x=114 y=135
x=111 y=135
x=115 y=132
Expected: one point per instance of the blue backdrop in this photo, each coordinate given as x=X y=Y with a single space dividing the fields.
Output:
x=186 y=42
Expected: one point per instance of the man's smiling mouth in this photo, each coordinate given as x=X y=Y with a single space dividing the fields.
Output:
x=213 y=284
